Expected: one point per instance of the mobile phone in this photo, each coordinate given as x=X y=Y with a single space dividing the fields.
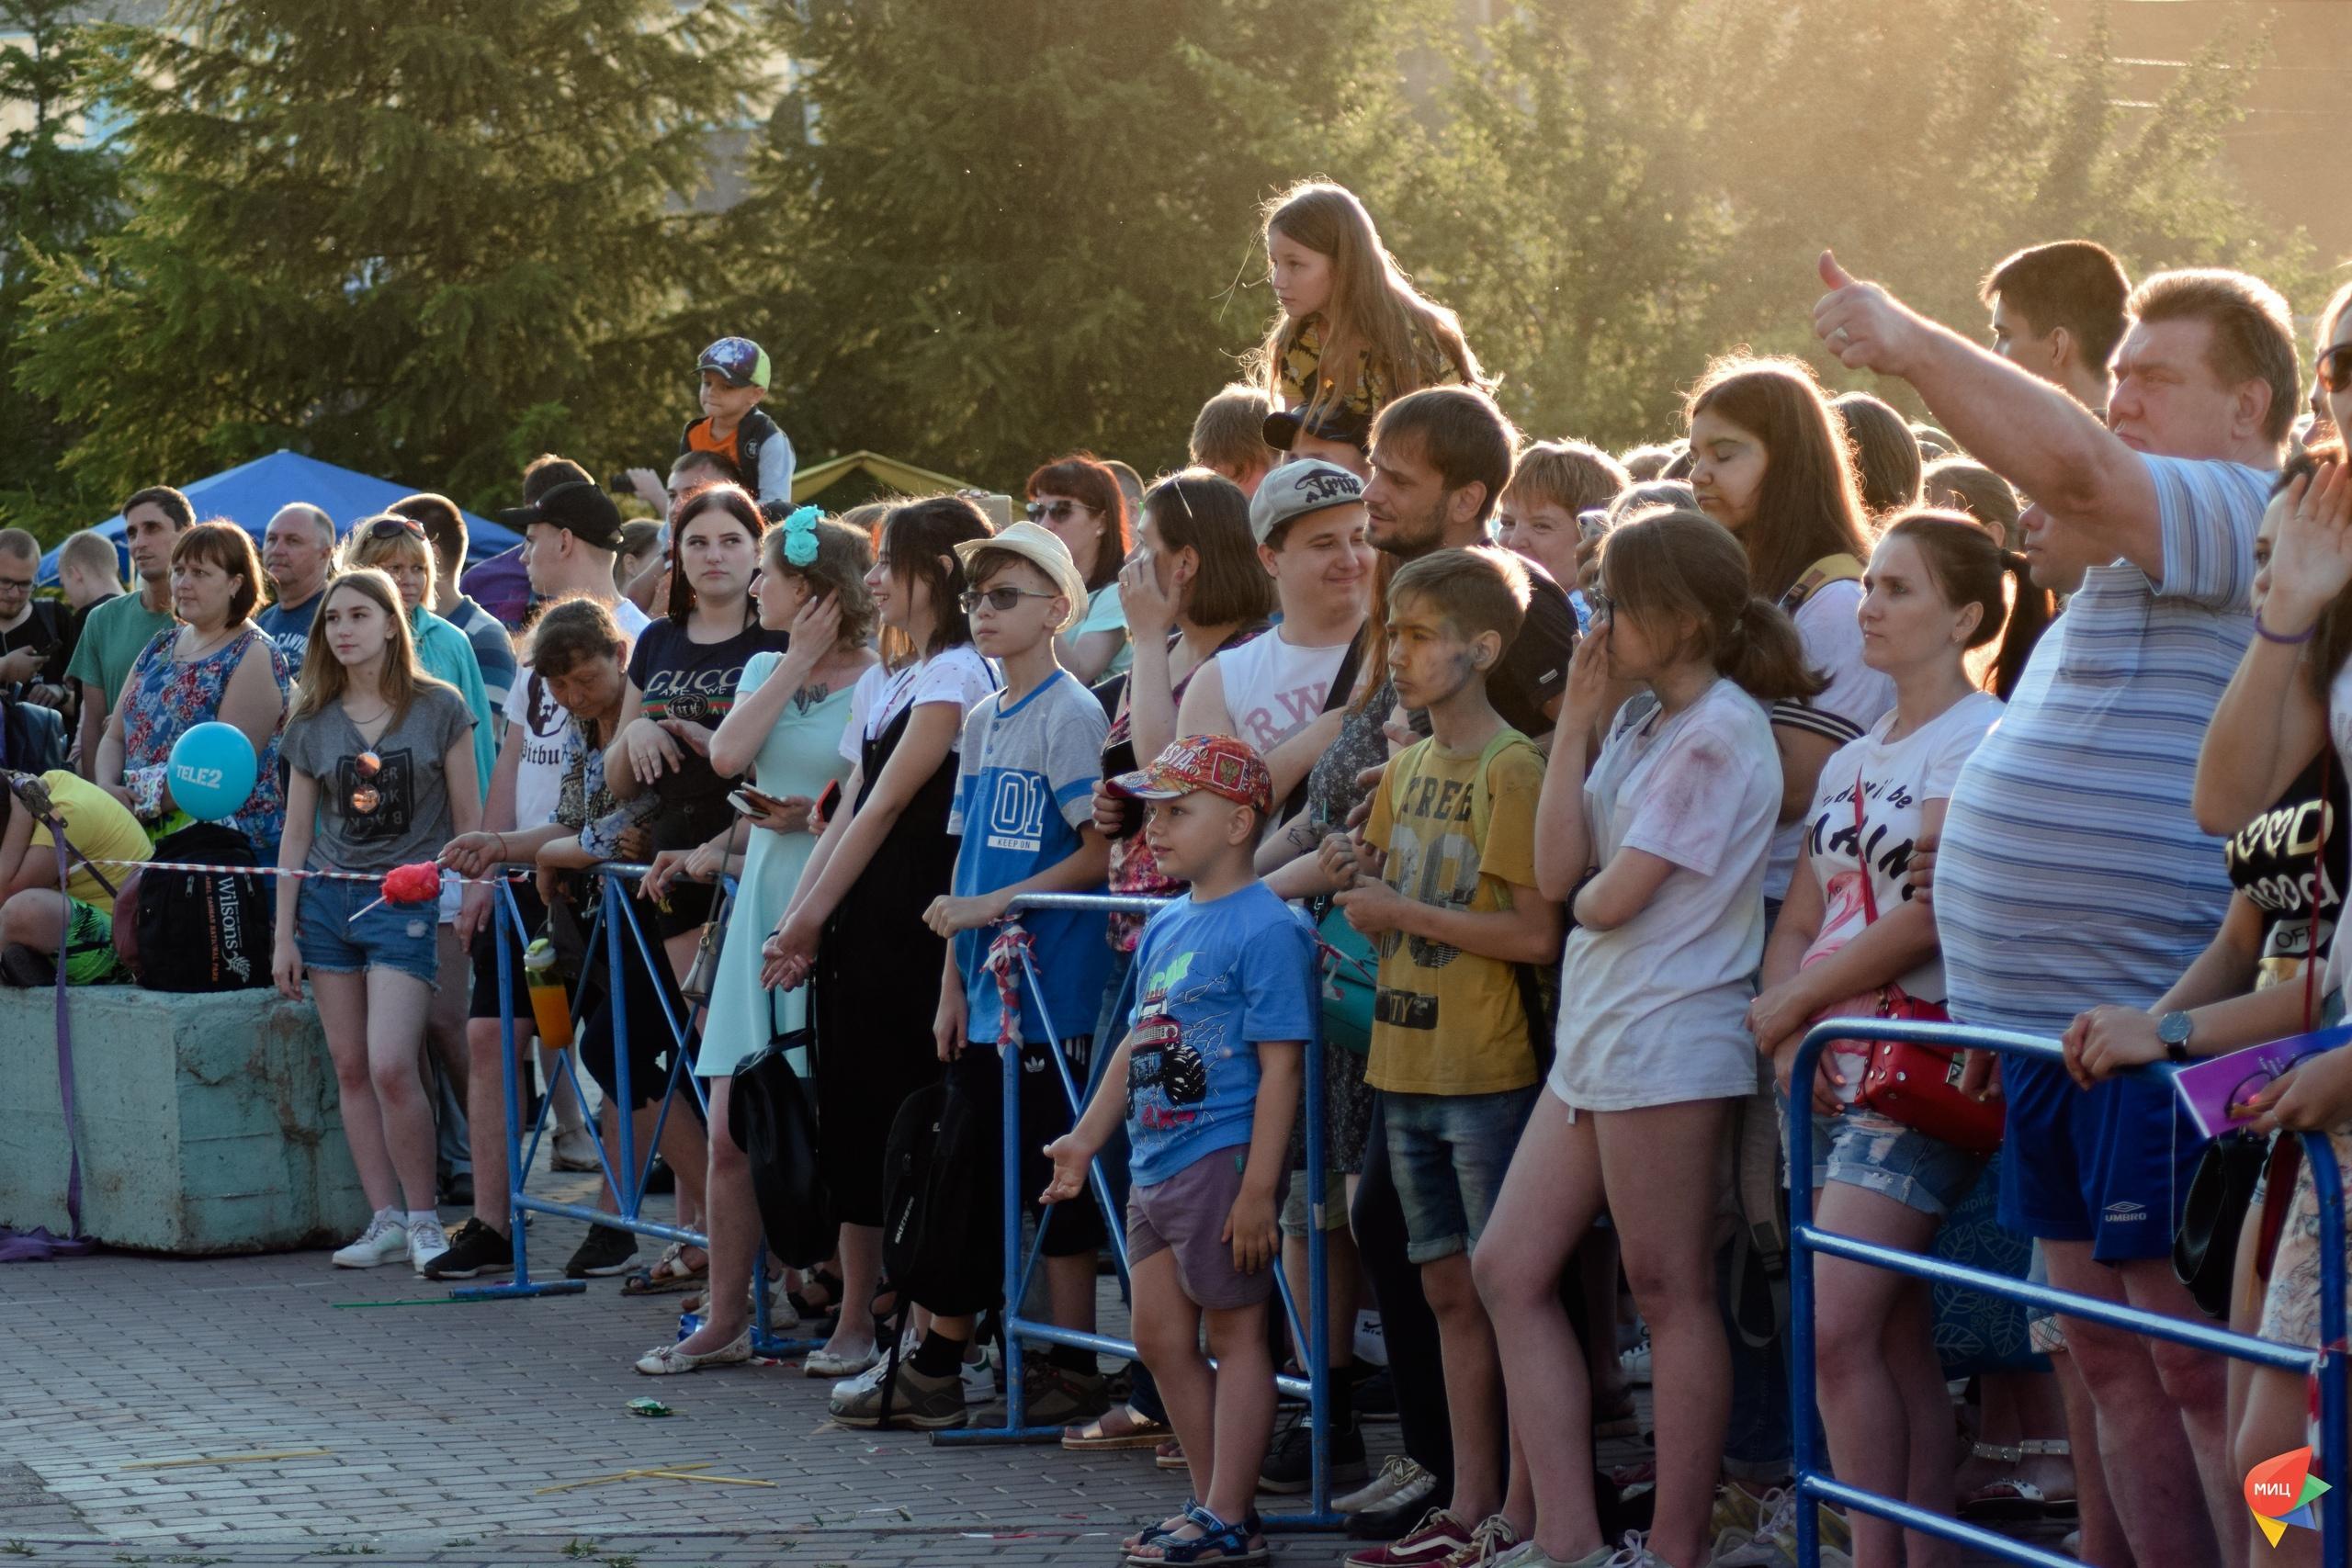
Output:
x=753 y=802
x=830 y=802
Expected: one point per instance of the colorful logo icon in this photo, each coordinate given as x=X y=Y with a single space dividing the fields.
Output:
x=2281 y=1491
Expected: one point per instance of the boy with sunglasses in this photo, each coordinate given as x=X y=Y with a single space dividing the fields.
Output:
x=1024 y=814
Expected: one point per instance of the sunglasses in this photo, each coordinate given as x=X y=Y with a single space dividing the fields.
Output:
x=365 y=799
x=2335 y=368
x=393 y=528
x=1038 y=511
x=999 y=599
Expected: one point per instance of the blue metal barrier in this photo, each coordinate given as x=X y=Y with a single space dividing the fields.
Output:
x=1311 y=1332
x=1814 y=1486
x=626 y=1175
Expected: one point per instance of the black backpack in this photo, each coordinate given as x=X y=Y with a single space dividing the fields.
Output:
x=197 y=930
x=943 y=1239
x=32 y=738
x=774 y=1119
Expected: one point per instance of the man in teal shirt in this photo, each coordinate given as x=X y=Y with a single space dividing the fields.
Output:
x=118 y=630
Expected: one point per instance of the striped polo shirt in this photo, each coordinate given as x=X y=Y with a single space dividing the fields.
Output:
x=2071 y=873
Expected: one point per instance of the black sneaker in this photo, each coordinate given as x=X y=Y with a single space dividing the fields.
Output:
x=473 y=1248
x=606 y=1250
x=1289 y=1460
x=1055 y=1397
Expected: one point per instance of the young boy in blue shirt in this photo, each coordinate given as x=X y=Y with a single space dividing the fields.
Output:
x=1031 y=755
x=1225 y=1001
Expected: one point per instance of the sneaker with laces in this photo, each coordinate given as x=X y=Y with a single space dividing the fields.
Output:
x=1772 y=1543
x=606 y=1249
x=1289 y=1465
x=1636 y=1363
x=1527 y=1554
x=1053 y=1395
x=1439 y=1536
x=427 y=1244
x=979 y=1376
x=474 y=1248
x=383 y=1240
x=917 y=1400
x=1400 y=1483
x=1494 y=1537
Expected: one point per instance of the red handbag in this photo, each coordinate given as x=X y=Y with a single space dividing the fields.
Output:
x=1919 y=1085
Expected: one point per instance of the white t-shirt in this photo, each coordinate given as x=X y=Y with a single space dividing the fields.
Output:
x=1897 y=779
x=1655 y=1012
x=1856 y=697
x=1274 y=688
x=548 y=732
x=959 y=676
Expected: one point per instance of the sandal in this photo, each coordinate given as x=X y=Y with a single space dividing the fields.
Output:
x=1168 y=1454
x=1233 y=1545
x=1151 y=1534
x=824 y=1280
x=669 y=1274
x=1122 y=1426
x=667 y=1360
x=2012 y=1497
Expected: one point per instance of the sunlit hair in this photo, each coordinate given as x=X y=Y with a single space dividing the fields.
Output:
x=1968 y=568
x=230 y=549
x=2075 y=284
x=362 y=548
x=2253 y=334
x=1089 y=481
x=1570 y=474
x=323 y=679
x=445 y=528
x=727 y=500
x=571 y=630
x=1229 y=432
x=918 y=541
x=1375 y=311
x=844 y=557
x=1962 y=484
x=1809 y=504
x=1206 y=512
x=1460 y=431
x=1886 y=453
x=1644 y=463
x=2331 y=642
x=1477 y=590
x=1668 y=568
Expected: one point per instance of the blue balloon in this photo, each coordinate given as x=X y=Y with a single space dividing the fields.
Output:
x=212 y=770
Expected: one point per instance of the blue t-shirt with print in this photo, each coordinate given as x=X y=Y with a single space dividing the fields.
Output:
x=1024 y=786
x=1212 y=981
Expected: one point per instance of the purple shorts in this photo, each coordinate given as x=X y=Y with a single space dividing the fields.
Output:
x=1187 y=1213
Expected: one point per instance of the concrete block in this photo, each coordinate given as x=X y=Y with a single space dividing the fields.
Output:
x=208 y=1123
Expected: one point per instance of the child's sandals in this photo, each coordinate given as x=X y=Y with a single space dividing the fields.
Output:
x=1238 y=1545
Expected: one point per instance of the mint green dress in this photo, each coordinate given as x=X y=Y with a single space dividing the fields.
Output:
x=800 y=757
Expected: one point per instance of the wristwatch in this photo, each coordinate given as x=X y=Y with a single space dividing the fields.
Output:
x=2174 y=1028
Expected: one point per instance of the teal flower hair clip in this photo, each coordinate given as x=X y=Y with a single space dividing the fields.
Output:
x=801 y=535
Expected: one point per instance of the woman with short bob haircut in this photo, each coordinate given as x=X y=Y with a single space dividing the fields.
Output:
x=1078 y=498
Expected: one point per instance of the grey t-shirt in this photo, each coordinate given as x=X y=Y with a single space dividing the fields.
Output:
x=372 y=821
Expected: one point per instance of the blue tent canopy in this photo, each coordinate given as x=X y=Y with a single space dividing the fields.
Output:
x=250 y=494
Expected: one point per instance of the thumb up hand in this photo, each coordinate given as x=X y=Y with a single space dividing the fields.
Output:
x=1867 y=328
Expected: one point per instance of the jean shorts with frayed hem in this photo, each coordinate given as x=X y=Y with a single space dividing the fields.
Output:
x=390 y=936
x=1881 y=1154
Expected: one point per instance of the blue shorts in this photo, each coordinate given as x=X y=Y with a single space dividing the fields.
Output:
x=1448 y=1155
x=390 y=936
x=1881 y=1154
x=2109 y=1167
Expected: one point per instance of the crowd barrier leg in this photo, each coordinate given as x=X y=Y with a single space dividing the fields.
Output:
x=1020 y=1263
x=1813 y=1484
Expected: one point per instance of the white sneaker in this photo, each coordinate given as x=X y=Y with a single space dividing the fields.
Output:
x=426 y=1242
x=872 y=1376
x=1400 y=1483
x=979 y=1378
x=1636 y=1363
x=1635 y=1553
x=383 y=1241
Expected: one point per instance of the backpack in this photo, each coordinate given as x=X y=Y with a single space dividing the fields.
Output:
x=755 y=431
x=1839 y=568
x=774 y=1119
x=196 y=930
x=943 y=1238
x=32 y=738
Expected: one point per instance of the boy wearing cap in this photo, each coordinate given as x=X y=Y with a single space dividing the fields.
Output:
x=1443 y=878
x=1209 y=1076
x=734 y=378
x=1024 y=817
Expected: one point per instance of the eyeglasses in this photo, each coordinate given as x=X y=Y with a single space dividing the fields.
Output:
x=1604 y=608
x=2335 y=368
x=17 y=584
x=393 y=528
x=1038 y=511
x=365 y=799
x=999 y=599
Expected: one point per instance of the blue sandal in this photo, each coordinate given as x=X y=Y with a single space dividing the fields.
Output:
x=1227 y=1545
x=1152 y=1535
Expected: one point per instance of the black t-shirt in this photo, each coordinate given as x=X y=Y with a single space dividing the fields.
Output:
x=51 y=625
x=1535 y=668
x=2275 y=861
x=680 y=678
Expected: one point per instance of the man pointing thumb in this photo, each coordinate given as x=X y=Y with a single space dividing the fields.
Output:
x=1864 y=325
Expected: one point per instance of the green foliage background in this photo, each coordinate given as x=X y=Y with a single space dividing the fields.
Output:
x=429 y=241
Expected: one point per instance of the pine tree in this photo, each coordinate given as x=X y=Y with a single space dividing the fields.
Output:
x=57 y=193
x=414 y=240
x=1018 y=229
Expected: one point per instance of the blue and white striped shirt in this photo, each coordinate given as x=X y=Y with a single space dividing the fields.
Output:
x=2071 y=873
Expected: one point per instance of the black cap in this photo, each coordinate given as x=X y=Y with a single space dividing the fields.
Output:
x=1335 y=422
x=581 y=506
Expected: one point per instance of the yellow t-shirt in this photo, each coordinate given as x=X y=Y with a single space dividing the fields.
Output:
x=1446 y=1022
x=98 y=825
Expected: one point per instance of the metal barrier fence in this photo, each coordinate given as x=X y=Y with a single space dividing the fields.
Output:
x=1310 y=1333
x=625 y=1173
x=1804 y=1240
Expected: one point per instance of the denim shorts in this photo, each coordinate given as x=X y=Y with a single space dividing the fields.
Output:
x=390 y=936
x=1881 y=1154
x=1448 y=1155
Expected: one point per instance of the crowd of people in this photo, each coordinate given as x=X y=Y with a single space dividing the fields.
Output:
x=1550 y=794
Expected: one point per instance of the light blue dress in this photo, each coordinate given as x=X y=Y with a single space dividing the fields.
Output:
x=800 y=757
